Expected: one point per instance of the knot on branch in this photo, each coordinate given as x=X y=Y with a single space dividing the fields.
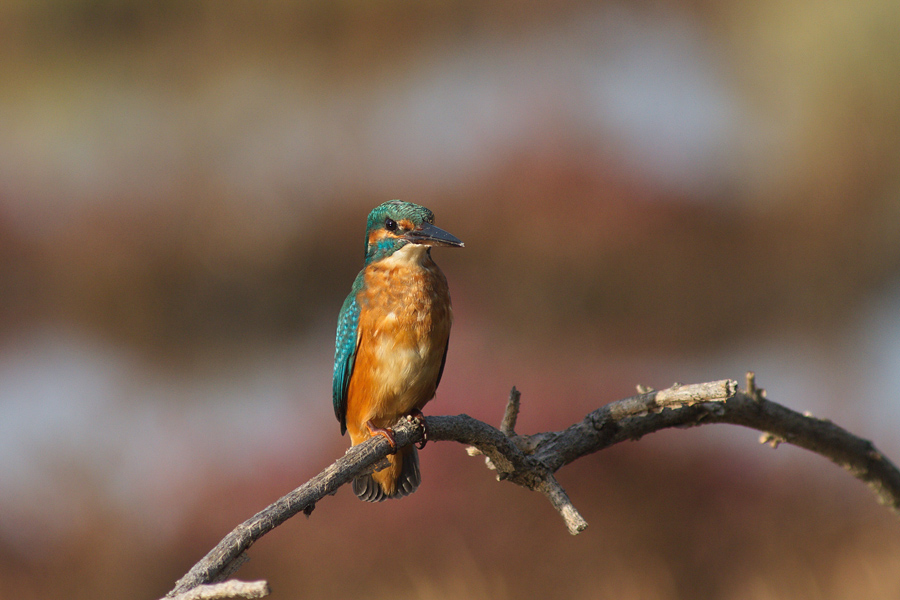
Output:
x=757 y=393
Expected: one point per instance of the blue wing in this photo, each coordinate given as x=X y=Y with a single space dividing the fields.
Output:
x=345 y=353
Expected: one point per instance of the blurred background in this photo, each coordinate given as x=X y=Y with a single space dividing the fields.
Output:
x=649 y=192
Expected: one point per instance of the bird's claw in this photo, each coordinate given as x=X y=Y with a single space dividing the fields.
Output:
x=386 y=433
x=416 y=415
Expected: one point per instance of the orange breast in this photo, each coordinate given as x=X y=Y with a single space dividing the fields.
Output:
x=404 y=325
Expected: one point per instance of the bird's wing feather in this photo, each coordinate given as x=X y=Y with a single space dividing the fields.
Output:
x=346 y=342
x=443 y=362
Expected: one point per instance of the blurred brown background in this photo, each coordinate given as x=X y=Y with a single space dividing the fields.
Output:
x=649 y=192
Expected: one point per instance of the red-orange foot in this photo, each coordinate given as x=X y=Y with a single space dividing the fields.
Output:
x=387 y=433
x=416 y=415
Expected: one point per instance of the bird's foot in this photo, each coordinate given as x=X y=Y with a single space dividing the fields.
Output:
x=416 y=415
x=386 y=433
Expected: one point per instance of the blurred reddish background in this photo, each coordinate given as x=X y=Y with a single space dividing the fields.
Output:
x=649 y=192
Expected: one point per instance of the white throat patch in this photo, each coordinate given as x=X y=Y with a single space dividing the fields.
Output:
x=407 y=256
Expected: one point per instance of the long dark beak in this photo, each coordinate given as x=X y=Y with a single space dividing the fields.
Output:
x=429 y=235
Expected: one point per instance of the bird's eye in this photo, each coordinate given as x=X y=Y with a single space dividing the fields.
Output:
x=390 y=224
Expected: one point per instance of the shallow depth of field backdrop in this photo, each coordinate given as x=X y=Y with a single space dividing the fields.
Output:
x=649 y=192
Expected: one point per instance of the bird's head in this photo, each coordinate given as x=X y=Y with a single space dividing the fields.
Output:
x=396 y=224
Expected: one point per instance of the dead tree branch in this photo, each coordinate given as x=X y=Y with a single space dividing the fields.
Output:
x=228 y=589
x=532 y=460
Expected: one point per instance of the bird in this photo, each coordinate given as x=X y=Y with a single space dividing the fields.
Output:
x=392 y=337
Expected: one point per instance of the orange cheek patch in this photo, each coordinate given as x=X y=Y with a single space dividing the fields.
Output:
x=377 y=235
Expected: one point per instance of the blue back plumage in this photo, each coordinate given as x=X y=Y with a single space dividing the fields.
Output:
x=345 y=352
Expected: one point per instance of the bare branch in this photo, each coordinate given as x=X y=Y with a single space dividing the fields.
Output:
x=508 y=425
x=219 y=561
x=532 y=460
x=228 y=589
x=575 y=523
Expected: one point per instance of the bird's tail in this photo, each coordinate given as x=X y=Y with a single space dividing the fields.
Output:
x=399 y=479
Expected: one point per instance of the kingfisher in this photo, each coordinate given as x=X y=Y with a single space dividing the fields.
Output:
x=392 y=337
